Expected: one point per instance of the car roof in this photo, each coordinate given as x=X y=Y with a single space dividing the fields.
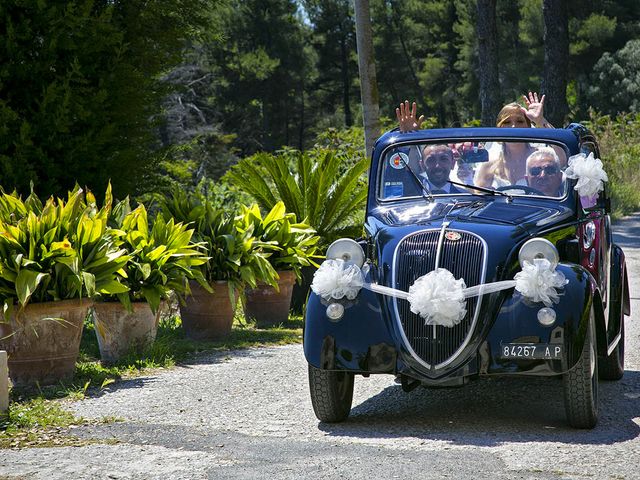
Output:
x=570 y=136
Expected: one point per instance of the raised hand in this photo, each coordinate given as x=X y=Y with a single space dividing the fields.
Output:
x=406 y=116
x=535 y=110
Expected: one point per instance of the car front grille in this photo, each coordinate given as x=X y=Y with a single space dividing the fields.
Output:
x=436 y=346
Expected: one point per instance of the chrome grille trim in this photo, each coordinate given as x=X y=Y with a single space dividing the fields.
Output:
x=439 y=233
x=476 y=302
x=455 y=257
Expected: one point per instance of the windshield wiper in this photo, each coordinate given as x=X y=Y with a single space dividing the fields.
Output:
x=482 y=189
x=426 y=193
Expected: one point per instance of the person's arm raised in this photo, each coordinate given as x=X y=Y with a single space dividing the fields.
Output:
x=406 y=116
x=535 y=109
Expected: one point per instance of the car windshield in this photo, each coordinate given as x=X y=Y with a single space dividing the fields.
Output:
x=512 y=167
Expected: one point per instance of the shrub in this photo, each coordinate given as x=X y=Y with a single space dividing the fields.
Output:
x=619 y=140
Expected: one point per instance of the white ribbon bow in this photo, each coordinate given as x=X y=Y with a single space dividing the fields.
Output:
x=437 y=296
x=589 y=172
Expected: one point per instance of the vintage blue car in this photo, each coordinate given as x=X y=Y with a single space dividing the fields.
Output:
x=486 y=251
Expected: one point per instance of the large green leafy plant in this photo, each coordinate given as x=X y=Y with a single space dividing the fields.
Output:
x=235 y=255
x=293 y=244
x=318 y=186
x=161 y=259
x=56 y=251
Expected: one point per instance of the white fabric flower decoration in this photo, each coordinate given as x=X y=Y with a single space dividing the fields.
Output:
x=438 y=298
x=539 y=281
x=337 y=279
x=589 y=172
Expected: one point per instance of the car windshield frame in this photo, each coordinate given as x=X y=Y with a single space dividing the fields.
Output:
x=384 y=156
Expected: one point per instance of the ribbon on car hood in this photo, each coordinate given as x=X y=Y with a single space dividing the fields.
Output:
x=438 y=297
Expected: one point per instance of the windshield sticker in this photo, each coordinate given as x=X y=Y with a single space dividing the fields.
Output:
x=399 y=160
x=393 y=189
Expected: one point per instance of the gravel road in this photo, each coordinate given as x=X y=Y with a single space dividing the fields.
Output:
x=247 y=414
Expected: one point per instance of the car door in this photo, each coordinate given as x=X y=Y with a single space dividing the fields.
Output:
x=596 y=238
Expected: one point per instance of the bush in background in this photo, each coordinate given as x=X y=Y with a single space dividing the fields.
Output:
x=619 y=140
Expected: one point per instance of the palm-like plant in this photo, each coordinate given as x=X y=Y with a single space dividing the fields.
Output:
x=316 y=186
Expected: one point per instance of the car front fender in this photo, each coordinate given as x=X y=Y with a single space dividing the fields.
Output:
x=517 y=322
x=361 y=341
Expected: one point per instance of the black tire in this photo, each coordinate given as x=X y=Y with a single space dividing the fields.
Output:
x=331 y=394
x=581 y=384
x=612 y=367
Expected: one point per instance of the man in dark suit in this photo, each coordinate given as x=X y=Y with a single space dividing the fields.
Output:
x=437 y=162
x=432 y=166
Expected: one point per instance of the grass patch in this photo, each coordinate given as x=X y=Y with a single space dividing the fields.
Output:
x=172 y=347
x=36 y=422
x=37 y=417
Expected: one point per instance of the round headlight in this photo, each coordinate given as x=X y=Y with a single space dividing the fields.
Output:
x=348 y=250
x=335 y=311
x=546 y=316
x=538 y=248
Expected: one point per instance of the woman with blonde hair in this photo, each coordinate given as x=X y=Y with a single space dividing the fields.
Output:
x=507 y=163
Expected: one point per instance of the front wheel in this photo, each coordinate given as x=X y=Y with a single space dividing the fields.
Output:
x=331 y=394
x=581 y=384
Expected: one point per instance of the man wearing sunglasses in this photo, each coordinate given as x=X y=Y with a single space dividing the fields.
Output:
x=543 y=172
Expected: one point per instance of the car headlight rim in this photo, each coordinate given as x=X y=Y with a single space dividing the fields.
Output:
x=348 y=250
x=538 y=248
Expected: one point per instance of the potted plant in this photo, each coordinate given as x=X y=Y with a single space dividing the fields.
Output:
x=236 y=259
x=161 y=259
x=53 y=259
x=292 y=246
x=324 y=187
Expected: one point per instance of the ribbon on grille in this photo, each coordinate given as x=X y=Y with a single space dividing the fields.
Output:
x=438 y=297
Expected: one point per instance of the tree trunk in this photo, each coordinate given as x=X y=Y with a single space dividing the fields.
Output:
x=367 y=70
x=346 y=83
x=488 y=57
x=556 y=60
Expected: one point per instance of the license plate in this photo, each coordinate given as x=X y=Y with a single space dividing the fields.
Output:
x=543 y=351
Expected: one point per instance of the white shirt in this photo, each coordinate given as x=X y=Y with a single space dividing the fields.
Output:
x=431 y=187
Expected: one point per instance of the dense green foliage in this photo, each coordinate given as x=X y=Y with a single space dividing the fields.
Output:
x=287 y=71
x=162 y=258
x=167 y=93
x=619 y=140
x=79 y=88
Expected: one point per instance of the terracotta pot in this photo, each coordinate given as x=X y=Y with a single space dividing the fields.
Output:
x=207 y=316
x=44 y=341
x=267 y=306
x=120 y=332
